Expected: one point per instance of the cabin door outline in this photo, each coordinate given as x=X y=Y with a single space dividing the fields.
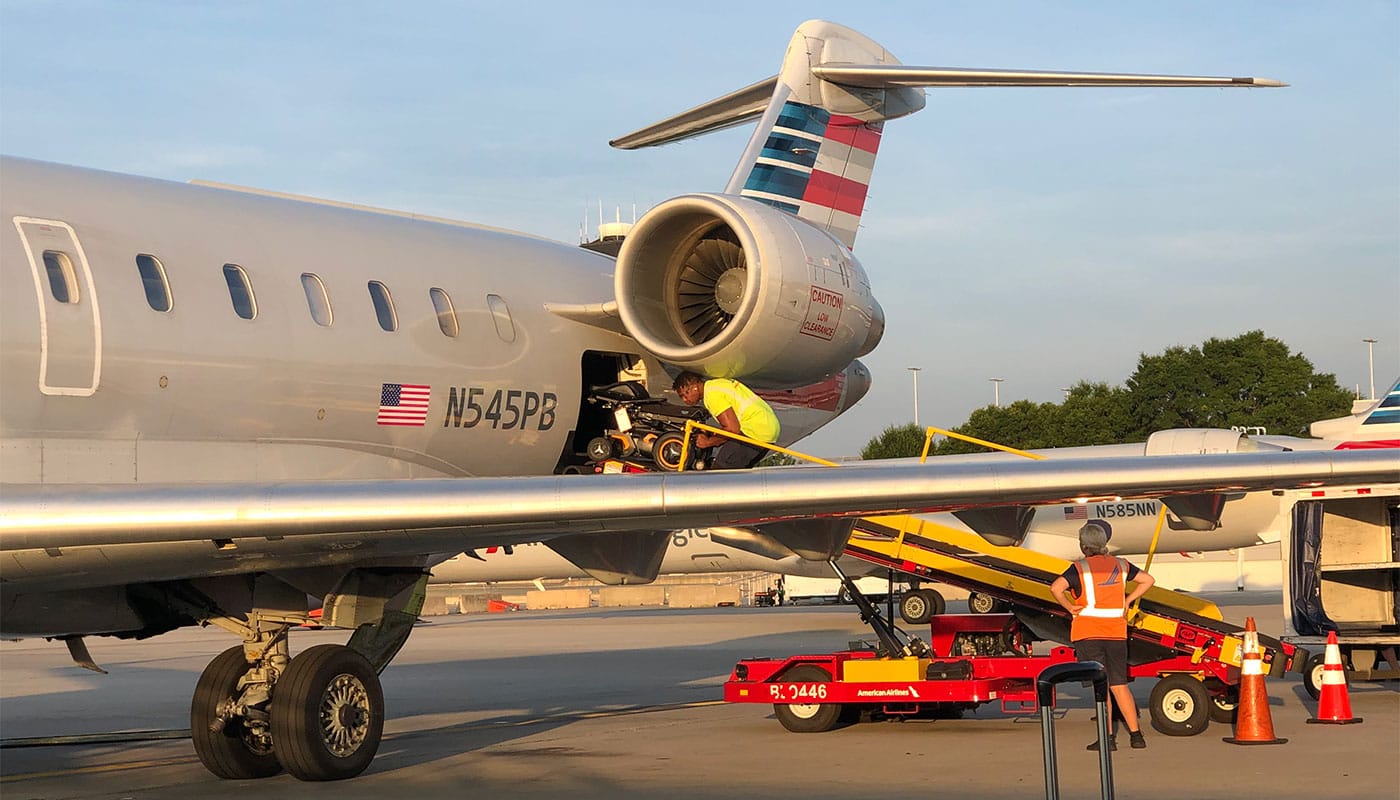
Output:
x=70 y=333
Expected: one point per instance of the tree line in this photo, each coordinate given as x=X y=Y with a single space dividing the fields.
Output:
x=1251 y=381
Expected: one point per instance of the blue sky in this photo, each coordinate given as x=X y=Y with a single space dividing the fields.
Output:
x=1039 y=235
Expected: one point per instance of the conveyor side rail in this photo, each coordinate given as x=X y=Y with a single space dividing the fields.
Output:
x=1172 y=620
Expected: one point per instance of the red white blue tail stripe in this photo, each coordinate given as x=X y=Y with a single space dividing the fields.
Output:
x=1379 y=426
x=1387 y=412
x=817 y=165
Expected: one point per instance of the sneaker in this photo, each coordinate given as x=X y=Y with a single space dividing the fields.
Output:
x=1135 y=738
x=1112 y=744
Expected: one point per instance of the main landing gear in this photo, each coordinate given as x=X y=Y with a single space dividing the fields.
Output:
x=319 y=715
x=323 y=721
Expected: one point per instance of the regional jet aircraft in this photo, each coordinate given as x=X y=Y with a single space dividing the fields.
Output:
x=217 y=402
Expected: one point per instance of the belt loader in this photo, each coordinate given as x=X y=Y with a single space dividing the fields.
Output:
x=970 y=660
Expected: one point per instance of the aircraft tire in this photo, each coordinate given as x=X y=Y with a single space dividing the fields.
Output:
x=918 y=606
x=327 y=714
x=1180 y=706
x=808 y=717
x=231 y=752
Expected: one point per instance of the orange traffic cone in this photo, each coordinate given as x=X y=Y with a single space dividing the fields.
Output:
x=1333 y=705
x=1253 y=723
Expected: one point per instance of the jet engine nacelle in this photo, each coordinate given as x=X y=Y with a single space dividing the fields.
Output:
x=733 y=288
x=1202 y=441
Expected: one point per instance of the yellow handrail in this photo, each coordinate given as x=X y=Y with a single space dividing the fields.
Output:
x=932 y=432
x=691 y=426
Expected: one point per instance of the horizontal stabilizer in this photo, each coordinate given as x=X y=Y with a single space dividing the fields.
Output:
x=883 y=76
x=748 y=103
x=735 y=108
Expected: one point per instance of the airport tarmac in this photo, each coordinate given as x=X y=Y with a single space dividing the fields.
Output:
x=603 y=703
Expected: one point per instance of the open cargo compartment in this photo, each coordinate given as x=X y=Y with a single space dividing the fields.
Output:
x=1342 y=574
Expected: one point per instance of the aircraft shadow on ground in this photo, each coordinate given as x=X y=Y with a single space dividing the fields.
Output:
x=506 y=699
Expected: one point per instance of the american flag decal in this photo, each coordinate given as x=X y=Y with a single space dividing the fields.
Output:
x=404 y=404
x=1077 y=511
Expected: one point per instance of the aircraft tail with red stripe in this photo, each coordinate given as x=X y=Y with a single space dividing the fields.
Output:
x=814 y=153
x=822 y=116
x=1376 y=424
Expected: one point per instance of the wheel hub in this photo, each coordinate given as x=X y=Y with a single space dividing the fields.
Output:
x=345 y=715
x=1177 y=705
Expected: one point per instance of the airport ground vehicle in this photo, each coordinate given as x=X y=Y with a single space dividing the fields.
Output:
x=647 y=431
x=971 y=659
x=974 y=659
x=1342 y=573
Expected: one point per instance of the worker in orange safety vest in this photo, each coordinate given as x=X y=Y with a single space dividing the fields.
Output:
x=1099 y=629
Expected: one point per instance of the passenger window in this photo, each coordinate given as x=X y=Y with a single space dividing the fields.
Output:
x=153 y=281
x=63 y=282
x=446 y=314
x=500 y=313
x=240 y=291
x=316 y=299
x=383 y=306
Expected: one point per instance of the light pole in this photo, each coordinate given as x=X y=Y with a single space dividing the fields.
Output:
x=996 y=391
x=1065 y=389
x=1371 y=363
x=915 y=371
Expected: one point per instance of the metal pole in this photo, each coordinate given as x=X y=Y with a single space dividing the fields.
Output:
x=889 y=596
x=1045 y=697
x=1105 y=751
x=1047 y=738
x=996 y=391
x=915 y=371
x=1371 y=363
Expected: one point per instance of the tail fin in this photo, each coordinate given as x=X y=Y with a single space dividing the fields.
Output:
x=822 y=117
x=1378 y=425
x=814 y=151
x=1387 y=411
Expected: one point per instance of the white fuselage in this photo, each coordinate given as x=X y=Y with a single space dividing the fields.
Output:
x=112 y=388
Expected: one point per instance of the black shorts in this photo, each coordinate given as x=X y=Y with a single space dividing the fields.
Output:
x=1112 y=653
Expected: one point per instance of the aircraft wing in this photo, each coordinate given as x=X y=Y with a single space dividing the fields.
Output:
x=70 y=536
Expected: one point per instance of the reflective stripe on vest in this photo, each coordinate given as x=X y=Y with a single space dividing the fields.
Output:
x=1114 y=578
x=1104 y=595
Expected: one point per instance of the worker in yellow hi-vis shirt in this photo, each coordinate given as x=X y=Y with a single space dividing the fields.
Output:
x=738 y=410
